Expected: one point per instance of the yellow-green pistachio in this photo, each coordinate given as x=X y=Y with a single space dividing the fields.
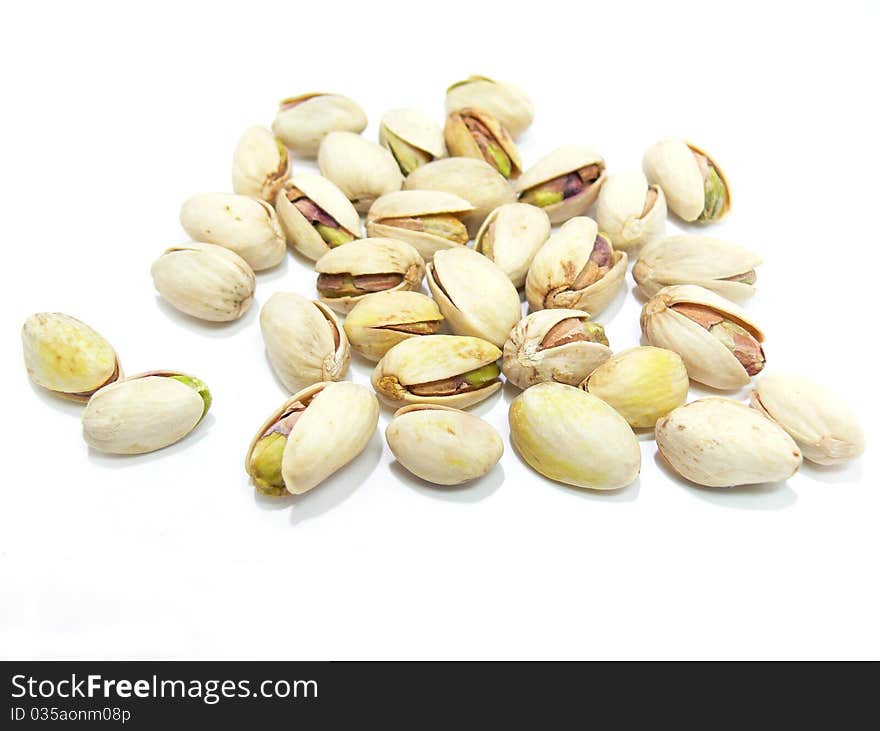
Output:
x=413 y=138
x=476 y=133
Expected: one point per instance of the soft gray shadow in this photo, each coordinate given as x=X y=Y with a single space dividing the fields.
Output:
x=510 y=392
x=117 y=461
x=272 y=502
x=485 y=406
x=609 y=313
x=644 y=435
x=468 y=492
x=57 y=403
x=279 y=271
x=301 y=259
x=203 y=327
x=841 y=474
x=638 y=294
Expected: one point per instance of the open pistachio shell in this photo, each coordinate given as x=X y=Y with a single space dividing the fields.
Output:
x=507 y=102
x=381 y=320
x=303 y=121
x=476 y=133
x=412 y=137
x=260 y=164
x=361 y=169
x=630 y=211
x=511 y=236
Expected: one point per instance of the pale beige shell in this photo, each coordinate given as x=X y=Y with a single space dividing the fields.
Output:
x=361 y=169
x=367 y=325
x=719 y=442
x=619 y=211
x=504 y=100
x=303 y=126
x=519 y=231
x=415 y=128
x=461 y=143
x=260 y=164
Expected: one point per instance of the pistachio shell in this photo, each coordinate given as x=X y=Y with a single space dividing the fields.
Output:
x=303 y=125
x=461 y=142
x=507 y=102
x=260 y=164
x=620 y=210
x=572 y=437
x=361 y=169
x=511 y=236
x=718 y=442
x=414 y=128
x=375 y=324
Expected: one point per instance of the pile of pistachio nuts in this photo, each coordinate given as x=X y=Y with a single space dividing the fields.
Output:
x=425 y=193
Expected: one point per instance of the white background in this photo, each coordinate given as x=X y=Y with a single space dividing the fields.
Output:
x=115 y=113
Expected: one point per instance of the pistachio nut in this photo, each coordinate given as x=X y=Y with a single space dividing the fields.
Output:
x=641 y=384
x=511 y=236
x=823 y=425
x=304 y=341
x=717 y=340
x=450 y=370
x=316 y=216
x=315 y=432
x=260 y=164
x=442 y=445
x=572 y=437
x=474 y=180
x=695 y=187
x=380 y=321
x=412 y=137
x=476 y=133
x=577 y=269
x=67 y=357
x=144 y=413
x=303 y=121
x=248 y=226
x=348 y=274
x=564 y=183
x=359 y=168
x=723 y=267
x=630 y=211
x=719 y=442
x=474 y=294
x=554 y=345
x=428 y=220
x=506 y=102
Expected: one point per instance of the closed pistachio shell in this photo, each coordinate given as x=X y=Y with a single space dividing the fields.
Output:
x=506 y=101
x=260 y=164
x=248 y=226
x=412 y=137
x=205 y=281
x=718 y=442
x=823 y=425
x=478 y=134
x=511 y=236
x=565 y=182
x=630 y=211
x=442 y=445
x=572 y=437
x=379 y=321
x=361 y=169
x=303 y=121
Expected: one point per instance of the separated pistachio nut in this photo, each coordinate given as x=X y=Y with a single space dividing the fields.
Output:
x=260 y=164
x=572 y=437
x=67 y=357
x=144 y=413
x=442 y=445
x=506 y=102
x=314 y=433
x=824 y=427
x=723 y=267
x=316 y=216
x=248 y=226
x=641 y=384
x=474 y=180
x=429 y=220
x=511 y=236
x=719 y=442
x=476 y=133
x=412 y=137
x=303 y=121
x=348 y=274
x=564 y=183
x=630 y=211
x=380 y=321
x=474 y=294
x=359 y=168
x=554 y=345
x=304 y=341
x=450 y=370
x=695 y=187
x=576 y=269
x=717 y=340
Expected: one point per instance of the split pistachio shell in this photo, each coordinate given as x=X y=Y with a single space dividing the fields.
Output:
x=66 y=356
x=359 y=168
x=554 y=345
x=720 y=266
x=381 y=320
x=572 y=437
x=474 y=294
x=474 y=180
x=349 y=273
x=442 y=445
x=260 y=164
x=145 y=412
x=717 y=340
x=428 y=220
x=205 y=281
x=576 y=269
x=478 y=134
x=564 y=183
x=511 y=236
x=507 y=102
x=303 y=121
x=304 y=341
x=412 y=137
x=824 y=427
x=316 y=215
x=315 y=433
x=630 y=211
x=248 y=226
x=449 y=370
x=641 y=384
x=719 y=442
